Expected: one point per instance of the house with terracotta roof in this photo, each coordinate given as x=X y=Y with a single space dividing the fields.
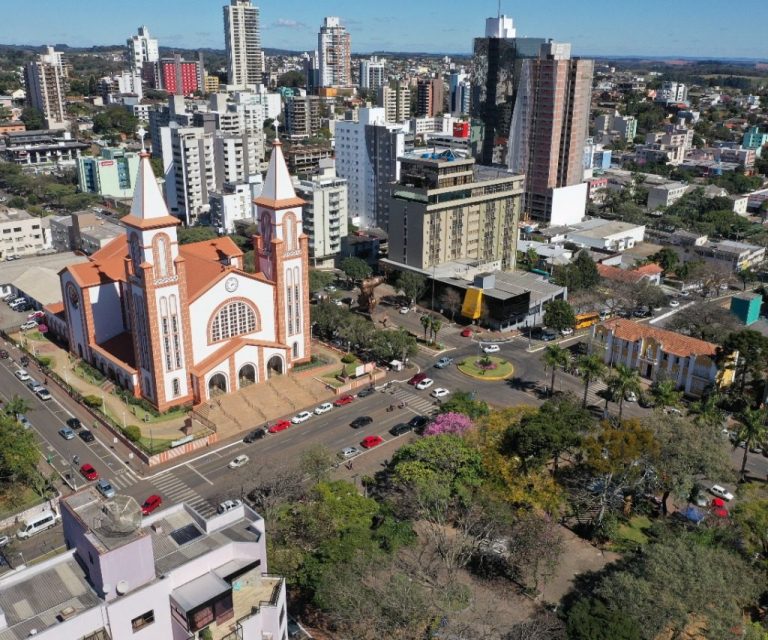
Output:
x=178 y=324
x=655 y=353
x=649 y=272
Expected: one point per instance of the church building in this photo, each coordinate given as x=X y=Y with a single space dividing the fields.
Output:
x=179 y=324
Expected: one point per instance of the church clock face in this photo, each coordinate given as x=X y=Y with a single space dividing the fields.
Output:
x=74 y=298
x=231 y=285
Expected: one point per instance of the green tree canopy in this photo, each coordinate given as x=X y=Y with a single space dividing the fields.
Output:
x=196 y=234
x=318 y=280
x=19 y=453
x=559 y=315
x=412 y=285
x=356 y=269
x=33 y=119
x=465 y=403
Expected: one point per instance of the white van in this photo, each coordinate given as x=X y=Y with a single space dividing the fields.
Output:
x=35 y=524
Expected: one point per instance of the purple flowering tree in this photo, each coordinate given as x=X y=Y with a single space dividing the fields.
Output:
x=449 y=423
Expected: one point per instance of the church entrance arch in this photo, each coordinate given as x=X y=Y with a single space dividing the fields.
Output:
x=275 y=366
x=217 y=385
x=247 y=376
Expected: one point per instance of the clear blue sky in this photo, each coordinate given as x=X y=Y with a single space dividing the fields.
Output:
x=601 y=27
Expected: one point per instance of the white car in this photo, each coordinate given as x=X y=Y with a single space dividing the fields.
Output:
x=43 y=394
x=301 y=417
x=491 y=348
x=29 y=324
x=674 y=304
x=566 y=332
x=22 y=375
x=228 y=505
x=426 y=383
x=330 y=288
x=440 y=393
x=630 y=396
x=404 y=310
x=349 y=452
x=721 y=492
x=238 y=462
x=323 y=408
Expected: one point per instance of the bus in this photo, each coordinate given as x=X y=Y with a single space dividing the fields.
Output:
x=586 y=320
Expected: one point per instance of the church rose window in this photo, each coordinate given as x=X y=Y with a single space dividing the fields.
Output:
x=235 y=319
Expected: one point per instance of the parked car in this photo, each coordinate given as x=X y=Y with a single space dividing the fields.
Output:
x=400 y=429
x=88 y=472
x=343 y=401
x=426 y=383
x=150 y=504
x=364 y=393
x=279 y=426
x=443 y=362
x=362 y=421
x=74 y=423
x=330 y=288
x=86 y=436
x=323 y=408
x=369 y=442
x=105 y=489
x=228 y=505
x=33 y=384
x=239 y=461
x=674 y=303
x=630 y=396
x=43 y=394
x=301 y=417
x=349 y=452
x=37 y=315
x=404 y=310
x=466 y=333
x=491 y=348
x=440 y=393
x=22 y=375
x=23 y=421
x=673 y=411
x=566 y=332
x=29 y=324
x=256 y=434
x=67 y=433
x=418 y=423
x=721 y=492
x=417 y=378
x=548 y=335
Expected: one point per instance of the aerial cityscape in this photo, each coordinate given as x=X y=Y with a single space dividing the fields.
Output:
x=352 y=322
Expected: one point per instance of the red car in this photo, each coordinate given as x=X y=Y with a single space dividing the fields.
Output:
x=369 y=442
x=417 y=378
x=279 y=426
x=343 y=401
x=467 y=333
x=89 y=473
x=150 y=504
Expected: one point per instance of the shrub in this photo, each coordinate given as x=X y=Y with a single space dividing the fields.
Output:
x=94 y=402
x=91 y=372
x=453 y=423
x=348 y=359
x=45 y=361
x=132 y=432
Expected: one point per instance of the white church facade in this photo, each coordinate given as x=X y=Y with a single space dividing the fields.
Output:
x=178 y=324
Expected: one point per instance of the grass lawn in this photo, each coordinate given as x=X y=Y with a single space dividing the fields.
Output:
x=349 y=370
x=504 y=369
x=633 y=532
x=153 y=446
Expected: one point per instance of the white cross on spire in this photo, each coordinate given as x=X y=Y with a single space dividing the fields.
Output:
x=142 y=132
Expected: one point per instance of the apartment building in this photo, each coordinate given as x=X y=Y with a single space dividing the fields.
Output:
x=303 y=159
x=736 y=256
x=172 y=574
x=459 y=94
x=548 y=133
x=444 y=209
x=672 y=93
x=83 y=231
x=396 y=102
x=303 y=117
x=46 y=83
x=22 y=234
x=613 y=125
x=430 y=94
x=665 y=195
x=41 y=148
x=234 y=203
x=141 y=49
x=325 y=213
x=242 y=35
x=367 y=156
x=373 y=73
x=334 y=47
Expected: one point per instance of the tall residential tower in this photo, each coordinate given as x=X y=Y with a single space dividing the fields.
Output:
x=334 y=48
x=245 y=60
x=142 y=48
x=46 y=81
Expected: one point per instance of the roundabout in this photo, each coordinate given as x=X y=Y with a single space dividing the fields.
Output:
x=486 y=368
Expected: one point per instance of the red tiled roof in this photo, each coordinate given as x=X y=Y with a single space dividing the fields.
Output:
x=105 y=266
x=619 y=275
x=670 y=341
x=55 y=309
x=651 y=269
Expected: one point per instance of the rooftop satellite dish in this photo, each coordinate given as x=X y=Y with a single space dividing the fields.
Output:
x=121 y=517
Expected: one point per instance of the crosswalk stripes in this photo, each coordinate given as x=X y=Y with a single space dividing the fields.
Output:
x=123 y=480
x=415 y=402
x=174 y=489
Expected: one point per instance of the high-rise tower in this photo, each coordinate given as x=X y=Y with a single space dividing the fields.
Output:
x=334 y=47
x=245 y=61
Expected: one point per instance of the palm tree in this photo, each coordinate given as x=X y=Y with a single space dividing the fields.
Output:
x=17 y=405
x=426 y=322
x=554 y=357
x=707 y=411
x=665 y=393
x=626 y=380
x=752 y=431
x=437 y=324
x=591 y=368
